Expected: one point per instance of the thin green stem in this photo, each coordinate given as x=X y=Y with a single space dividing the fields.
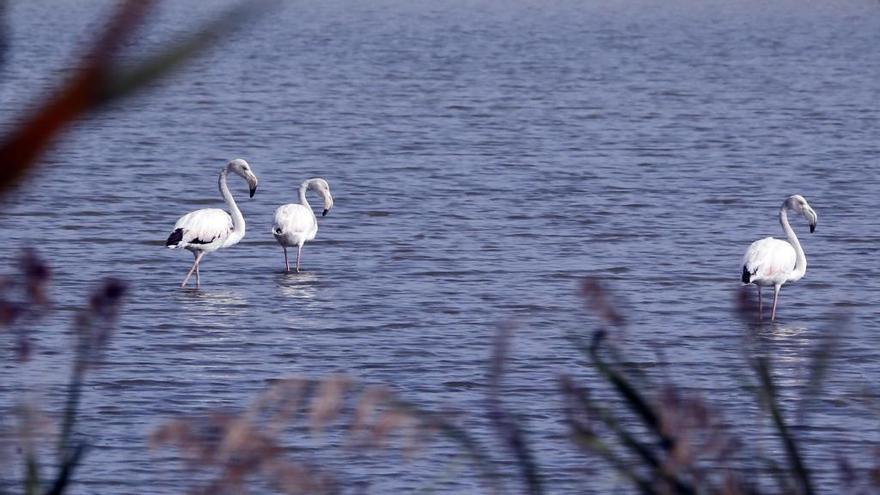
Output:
x=71 y=406
x=32 y=474
x=768 y=393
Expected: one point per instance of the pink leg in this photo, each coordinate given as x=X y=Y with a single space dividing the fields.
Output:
x=775 y=300
x=194 y=268
x=298 y=256
x=760 y=305
x=286 y=262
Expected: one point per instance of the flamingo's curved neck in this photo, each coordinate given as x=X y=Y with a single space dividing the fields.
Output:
x=302 y=194
x=800 y=265
x=238 y=226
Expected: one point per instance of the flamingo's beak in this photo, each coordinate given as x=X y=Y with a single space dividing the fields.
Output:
x=252 y=182
x=812 y=218
x=326 y=211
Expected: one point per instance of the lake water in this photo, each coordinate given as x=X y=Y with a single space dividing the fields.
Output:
x=484 y=156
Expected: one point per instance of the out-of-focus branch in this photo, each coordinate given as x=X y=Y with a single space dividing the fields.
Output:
x=99 y=81
x=29 y=140
x=122 y=82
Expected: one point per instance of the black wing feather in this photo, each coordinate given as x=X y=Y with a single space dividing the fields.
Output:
x=175 y=238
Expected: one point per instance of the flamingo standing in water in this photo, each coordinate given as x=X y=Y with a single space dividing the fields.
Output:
x=296 y=223
x=209 y=229
x=772 y=261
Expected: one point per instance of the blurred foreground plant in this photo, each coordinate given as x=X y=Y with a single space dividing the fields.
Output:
x=660 y=439
x=23 y=300
x=99 y=80
x=667 y=441
x=92 y=329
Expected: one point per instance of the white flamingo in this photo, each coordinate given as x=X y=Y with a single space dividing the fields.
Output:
x=295 y=223
x=209 y=229
x=771 y=261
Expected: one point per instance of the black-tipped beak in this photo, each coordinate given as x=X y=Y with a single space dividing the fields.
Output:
x=326 y=211
x=253 y=190
x=812 y=227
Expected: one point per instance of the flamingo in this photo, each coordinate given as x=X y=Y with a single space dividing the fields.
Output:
x=772 y=261
x=209 y=229
x=295 y=223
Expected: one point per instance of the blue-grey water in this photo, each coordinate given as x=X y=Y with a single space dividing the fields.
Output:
x=485 y=156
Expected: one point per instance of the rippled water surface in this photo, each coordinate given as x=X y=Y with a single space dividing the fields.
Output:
x=484 y=157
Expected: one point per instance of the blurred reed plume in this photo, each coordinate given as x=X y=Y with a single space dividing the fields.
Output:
x=23 y=299
x=101 y=79
x=92 y=328
x=246 y=448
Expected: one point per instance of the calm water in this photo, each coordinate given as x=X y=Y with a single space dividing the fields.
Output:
x=484 y=156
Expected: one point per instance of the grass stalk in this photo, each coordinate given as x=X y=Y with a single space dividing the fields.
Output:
x=768 y=394
x=506 y=425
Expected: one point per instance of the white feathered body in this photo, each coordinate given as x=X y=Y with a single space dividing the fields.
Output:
x=294 y=224
x=771 y=262
x=205 y=230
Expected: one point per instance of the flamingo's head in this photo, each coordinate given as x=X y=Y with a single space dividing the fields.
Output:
x=799 y=204
x=242 y=168
x=321 y=186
